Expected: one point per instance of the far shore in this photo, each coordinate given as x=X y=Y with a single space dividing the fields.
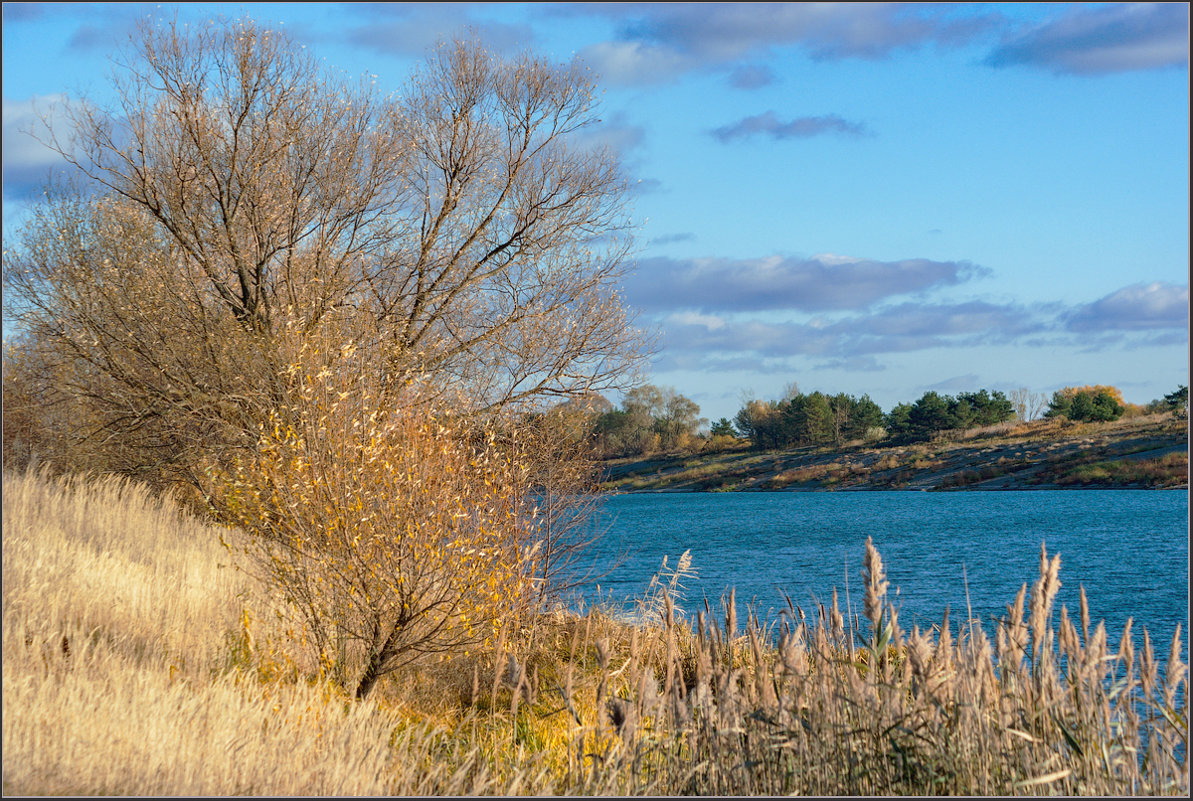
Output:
x=1145 y=452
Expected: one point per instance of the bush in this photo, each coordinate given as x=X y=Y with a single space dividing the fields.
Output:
x=875 y=434
x=392 y=527
x=722 y=442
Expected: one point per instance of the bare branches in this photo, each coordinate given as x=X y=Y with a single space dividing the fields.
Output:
x=278 y=183
x=464 y=219
x=522 y=235
x=245 y=188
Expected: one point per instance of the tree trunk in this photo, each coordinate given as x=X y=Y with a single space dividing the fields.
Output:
x=372 y=673
x=376 y=666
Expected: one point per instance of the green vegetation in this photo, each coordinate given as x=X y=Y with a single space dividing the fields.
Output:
x=934 y=413
x=814 y=419
x=654 y=420
x=1176 y=401
x=1087 y=404
x=658 y=421
x=722 y=428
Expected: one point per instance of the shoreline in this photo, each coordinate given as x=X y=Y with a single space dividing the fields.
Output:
x=1149 y=452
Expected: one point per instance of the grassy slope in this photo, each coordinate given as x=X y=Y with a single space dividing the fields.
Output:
x=1149 y=451
x=139 y=661
x=123 y=630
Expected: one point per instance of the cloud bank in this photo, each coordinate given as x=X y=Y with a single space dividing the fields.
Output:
x=847 y=313
x=1105 y=39
x=898 y=329
x=820 y=283
x=727 y=31
x=1139 y=307
x=769 y=124
x=656 y=42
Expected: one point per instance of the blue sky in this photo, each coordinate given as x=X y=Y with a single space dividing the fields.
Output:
x=870 y=198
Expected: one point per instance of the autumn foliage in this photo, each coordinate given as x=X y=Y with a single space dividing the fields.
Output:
x=1093 y=389
x=390 y=525
x=320 y=309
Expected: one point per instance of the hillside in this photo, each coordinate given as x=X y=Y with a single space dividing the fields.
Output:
x=1140 y=452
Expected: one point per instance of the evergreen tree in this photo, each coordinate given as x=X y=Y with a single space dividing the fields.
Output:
x=898 y=420
x=866 y=415
x=722 y=428
x=818 y=419
x=930 y=414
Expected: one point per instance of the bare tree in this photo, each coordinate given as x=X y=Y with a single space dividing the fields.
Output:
x=1037 y=404
x=672 y=416
x=521 y=232
x=1028 y=405
x=246 y=192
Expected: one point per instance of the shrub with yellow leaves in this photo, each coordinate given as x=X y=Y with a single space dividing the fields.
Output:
x=393 y=527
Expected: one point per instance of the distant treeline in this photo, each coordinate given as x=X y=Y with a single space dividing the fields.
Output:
x=659 y=419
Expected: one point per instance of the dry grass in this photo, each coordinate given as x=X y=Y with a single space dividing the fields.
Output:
x=137 y=663
x=134 y=664
x=1171 y=470
x=800 y=475
x=1048 y=708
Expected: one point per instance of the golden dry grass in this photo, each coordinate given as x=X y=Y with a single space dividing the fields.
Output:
x=137 y=662
x=134 y=664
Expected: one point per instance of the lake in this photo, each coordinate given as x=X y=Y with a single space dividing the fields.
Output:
x=1129 y=548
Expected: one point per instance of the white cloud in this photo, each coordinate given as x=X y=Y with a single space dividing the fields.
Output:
x=708 y=321
x=635 y=62
x=777 y=282
x=1139 y=307
x=769 y=124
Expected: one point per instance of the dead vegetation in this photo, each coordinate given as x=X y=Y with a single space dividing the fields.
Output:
x=138 y=661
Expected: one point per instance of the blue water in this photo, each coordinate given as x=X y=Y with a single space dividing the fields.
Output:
x=1129 y=548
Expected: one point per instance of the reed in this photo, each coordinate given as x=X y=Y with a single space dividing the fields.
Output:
x=137 y=661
